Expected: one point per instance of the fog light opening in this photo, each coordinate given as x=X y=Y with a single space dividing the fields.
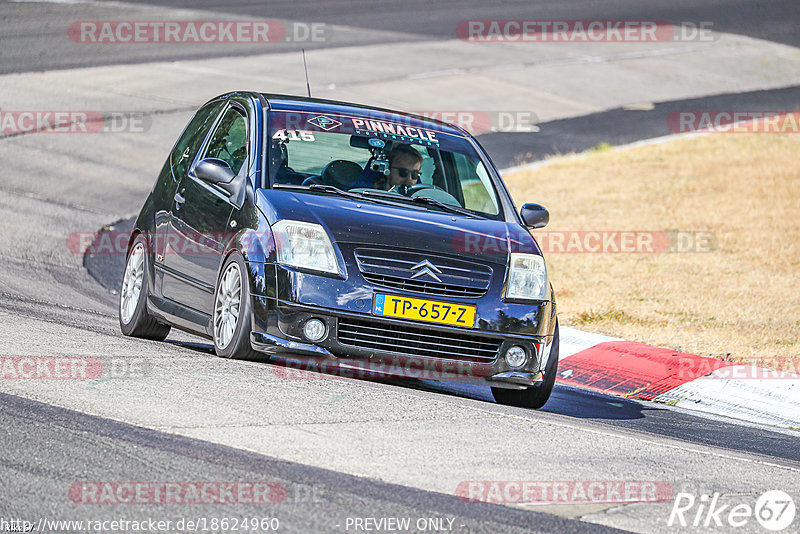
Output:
x=516 y=356
x=315 y=330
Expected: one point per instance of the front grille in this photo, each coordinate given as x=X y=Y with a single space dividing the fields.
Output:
x=393 y=269
x=428 y=288
x=413 y=341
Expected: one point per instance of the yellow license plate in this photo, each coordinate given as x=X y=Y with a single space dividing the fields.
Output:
x=424 y=310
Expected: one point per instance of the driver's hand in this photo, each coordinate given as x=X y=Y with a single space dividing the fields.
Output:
x=400 y=188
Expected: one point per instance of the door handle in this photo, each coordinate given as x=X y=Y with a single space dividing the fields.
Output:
x=179 y=198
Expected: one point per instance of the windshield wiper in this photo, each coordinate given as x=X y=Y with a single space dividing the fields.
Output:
x=319 y=187
x=425 y=200
x=448 y=207
x=336 y=191
x=377 y=196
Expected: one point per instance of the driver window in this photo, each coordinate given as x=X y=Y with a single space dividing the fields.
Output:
x=427 y=169
x=475 y=185
x=229 y=142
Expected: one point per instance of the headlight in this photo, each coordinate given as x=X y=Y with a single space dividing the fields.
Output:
x=527 y=277
x=304 y=245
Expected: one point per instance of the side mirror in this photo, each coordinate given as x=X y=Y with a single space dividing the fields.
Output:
x=534 y=215
x=214 y=171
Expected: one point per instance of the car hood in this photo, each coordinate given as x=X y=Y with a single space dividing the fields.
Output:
x=413 y=228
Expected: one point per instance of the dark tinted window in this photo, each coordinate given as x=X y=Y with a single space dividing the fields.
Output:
x=187 y=146
x=229 y=142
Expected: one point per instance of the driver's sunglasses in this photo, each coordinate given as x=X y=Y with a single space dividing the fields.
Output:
x=403 y=172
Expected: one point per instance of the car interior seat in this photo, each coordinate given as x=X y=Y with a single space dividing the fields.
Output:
x=338 y=173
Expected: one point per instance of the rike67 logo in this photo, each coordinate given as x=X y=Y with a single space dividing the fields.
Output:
x=774 y=510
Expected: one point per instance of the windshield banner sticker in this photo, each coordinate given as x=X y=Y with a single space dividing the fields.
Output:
x=289 y=126
x=392 y=130
x=395 y=130
x=326 y=123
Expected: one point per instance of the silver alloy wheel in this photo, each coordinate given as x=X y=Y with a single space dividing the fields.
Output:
x=132 y=284
x=226 y=307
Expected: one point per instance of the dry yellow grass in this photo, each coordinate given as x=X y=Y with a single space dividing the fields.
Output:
x=741 y=301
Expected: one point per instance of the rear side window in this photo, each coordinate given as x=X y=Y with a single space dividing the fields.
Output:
x=192 y=137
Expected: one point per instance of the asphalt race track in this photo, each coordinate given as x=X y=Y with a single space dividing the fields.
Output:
x=342 y=448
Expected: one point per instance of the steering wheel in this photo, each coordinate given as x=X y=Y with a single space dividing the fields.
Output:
x=434 y=192
x=409 y=190
x=419 y=187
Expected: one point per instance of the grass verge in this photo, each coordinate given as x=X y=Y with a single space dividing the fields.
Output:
x=740 y=301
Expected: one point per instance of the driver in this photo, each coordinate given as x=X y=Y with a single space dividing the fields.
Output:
x=404 y=165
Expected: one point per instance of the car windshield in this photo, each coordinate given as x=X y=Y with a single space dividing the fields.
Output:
x=368 y=156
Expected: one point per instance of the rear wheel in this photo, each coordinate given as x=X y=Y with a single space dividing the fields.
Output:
x=134 y=320
x=232 y=305
x=534 y=397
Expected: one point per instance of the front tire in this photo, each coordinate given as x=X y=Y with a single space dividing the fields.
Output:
x=134 y=320
x=232 y=308
x=537 y=396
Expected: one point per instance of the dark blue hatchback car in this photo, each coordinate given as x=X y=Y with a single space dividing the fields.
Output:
x=327 y=231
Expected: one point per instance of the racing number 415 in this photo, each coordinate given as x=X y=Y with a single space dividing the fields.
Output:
x=293 y=135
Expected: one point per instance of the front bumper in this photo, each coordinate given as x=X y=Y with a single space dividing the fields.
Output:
x=520 y=378
x=391 y=365
x=277 y=329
